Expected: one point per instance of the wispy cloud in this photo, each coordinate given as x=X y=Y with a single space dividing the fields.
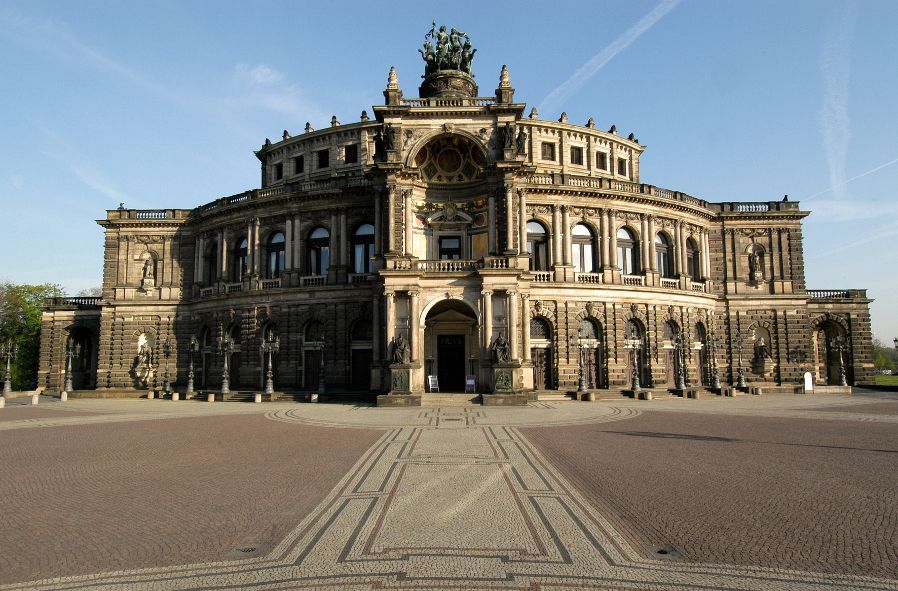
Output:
x=265 y=87
x=598 y=61
x=885 y=231
x=835 y=66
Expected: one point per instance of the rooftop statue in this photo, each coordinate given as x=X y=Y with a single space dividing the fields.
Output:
x=446 y=50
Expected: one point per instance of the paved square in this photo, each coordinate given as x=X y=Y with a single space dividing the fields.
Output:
x=747 y=493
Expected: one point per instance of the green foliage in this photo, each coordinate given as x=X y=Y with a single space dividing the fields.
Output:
x=20 y=322
x=884 y=357
x=885 y=380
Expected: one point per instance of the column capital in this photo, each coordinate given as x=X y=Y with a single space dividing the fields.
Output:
x=413 y=293
x=389 y=294
x=511 y=292
x=486 y=292
x=525 y=296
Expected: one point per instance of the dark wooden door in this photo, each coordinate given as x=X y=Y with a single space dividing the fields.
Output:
x=542 y=368
x=592 y=368
x=311 y=368
x=451 y=362
x=361 y=370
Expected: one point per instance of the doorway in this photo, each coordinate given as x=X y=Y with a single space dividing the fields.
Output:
x=451 y=362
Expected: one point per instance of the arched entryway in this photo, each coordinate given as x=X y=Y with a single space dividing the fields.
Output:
x=84 y=364
x=541 y=349
x=831 y=349
x=450 y=344
x=592 y=348
x=361 y=356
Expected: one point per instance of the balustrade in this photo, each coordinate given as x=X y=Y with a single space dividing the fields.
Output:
x=698 y=286
x=233 y=287
x=592 y=278
x=633 y=279
x=542 y=276
x=827 y=293
x=207 y=291
x=271 y=283
x=312 y=280
x=670 y=283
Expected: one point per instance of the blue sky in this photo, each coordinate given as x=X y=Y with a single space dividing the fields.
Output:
x=160 y=104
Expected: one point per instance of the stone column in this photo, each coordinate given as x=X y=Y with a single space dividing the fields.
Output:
x=390 y=313
x=378 y=224
x=511 y=318
x=681 y=249
x=409 y=221
x=487 y=319
x=413 y=325
x=249 y=246
x=566 y=236
x=197 y=261
x=257 y=253
x=605 y=241
x=525 y=325
x=653 y=258
x=343 y=239
x=391 y=219
x=297 y=242
x=222 y=255
x=522 y=218
x=647 y=242
x=509 y=220
x=493 y=247
x=706 y=255
x=557 y=255
x=288 y=244
x=612 y=235
x=375 y=328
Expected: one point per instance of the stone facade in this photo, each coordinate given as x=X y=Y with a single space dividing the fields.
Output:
x=380 y=252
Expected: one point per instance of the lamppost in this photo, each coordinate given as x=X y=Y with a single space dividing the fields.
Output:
x=634 y=344
x=72 y=350
x=192 y=349
x=741 y=373
x=581 y=376
x=225 y=348
x=321 y=381
x=837 y=344
x=270 y=345
x=678 y=357
x=9 y=349
x=166 y=353
x=712 y=361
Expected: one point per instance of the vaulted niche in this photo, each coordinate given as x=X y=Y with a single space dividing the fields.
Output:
x=450 y=160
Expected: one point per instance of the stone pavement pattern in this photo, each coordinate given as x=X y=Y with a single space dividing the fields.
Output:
x=461 y=498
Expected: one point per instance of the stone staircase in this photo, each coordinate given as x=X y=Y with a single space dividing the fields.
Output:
x=433 y=399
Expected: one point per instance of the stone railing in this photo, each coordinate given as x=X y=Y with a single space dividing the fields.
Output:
x=670 y=283
x=312 y=280
x=820 y=294
x=591 y=278
x=633 y=280
x=271 y=283
x=698 y=286
x=612 y=184
x=477 y=101
x=497 y=263
x=79 y=301
x=207 y=291
x=447 y=265
x=542 y=276
x=357 y=278
x=233 y=287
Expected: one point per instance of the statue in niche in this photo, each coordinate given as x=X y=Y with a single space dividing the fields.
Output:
x=401 y=350
x=508 y=136
x=522 y=141
x=149 y=273
x=389 y=137
x=755 y=270
x=500 y=350
x=761 y=352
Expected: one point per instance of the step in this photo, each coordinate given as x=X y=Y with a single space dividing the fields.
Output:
x=433 y=400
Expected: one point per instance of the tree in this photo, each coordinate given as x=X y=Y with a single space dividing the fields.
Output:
x=884 y=357
x=20 y=321
x=91 y=292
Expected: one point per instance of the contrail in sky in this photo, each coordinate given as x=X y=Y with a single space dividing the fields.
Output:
x=598 y=61
x=846 y=181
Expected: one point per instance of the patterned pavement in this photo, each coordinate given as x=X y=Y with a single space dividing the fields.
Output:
x=461 y=498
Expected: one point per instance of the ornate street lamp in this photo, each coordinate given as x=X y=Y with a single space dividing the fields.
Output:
x=577 y=341
x=321 y=382
x=225 y=348
x=9 y=349
x=838 y=345
x=740 y=372
x=634 y=344
x=712 y=361
x=678 y=359
x=192 y=349
x=166 y=353
x=270 y=345
x=73 y=351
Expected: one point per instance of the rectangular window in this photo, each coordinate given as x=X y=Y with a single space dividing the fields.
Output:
x=601 y=160
x=278 y=171
x=576 y=155
x=351 y=154
x=323 y=158
x=450 y=247
x=622 y=167
x=548 y=151
x=299 y=165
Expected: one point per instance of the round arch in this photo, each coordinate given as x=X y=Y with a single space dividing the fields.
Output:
x=429 y=137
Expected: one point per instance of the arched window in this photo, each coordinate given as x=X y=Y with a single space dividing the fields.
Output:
x=627 y=252
x=583 y=249
x=239 y=260
x=693 y=260
x=319 y=251
x=538 y=246
x=362 y=248
x=314 y=332
x=663 y=255
x=362 y=330
x=210 y=268
x=588 y=329
x=276 y=253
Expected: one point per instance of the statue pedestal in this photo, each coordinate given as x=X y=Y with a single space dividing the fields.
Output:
x=401 y=390
x=506 y=377
x=448 y=84
x=763 y=367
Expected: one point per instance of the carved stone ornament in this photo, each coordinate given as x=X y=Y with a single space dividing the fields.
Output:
x=589 y=308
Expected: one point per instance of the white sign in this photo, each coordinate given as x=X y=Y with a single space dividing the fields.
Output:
x=808 y=382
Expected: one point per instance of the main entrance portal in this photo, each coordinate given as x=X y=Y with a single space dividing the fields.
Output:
x=450 y=341
x=451 y=356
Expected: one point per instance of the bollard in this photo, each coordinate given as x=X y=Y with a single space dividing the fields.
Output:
x=313 y=397
x=257 y=398
x=2 y=401
x=63 y=396
x=175 y=395
x=211 y=397
x=35 y=398
x=590 y=396
x=150 y=394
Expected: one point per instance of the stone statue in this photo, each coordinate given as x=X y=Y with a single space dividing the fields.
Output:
x=401 y=351
x=389 y=137
x=754 y=266
x=508 y=136
x=446 y=50
x=761 y=351
x=500 y=349
x=522 y=141
x=149 y=273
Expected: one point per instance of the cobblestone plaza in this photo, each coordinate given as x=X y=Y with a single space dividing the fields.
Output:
x=773 y=492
